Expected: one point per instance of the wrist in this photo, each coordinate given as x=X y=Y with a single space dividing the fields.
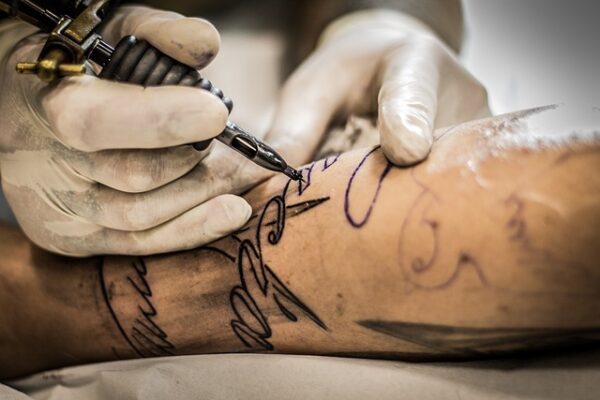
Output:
x=62 y=325
x=373 y=19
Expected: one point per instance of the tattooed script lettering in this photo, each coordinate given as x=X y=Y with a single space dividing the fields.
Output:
x=260 y=296
x=260 y=289
x=259 y=284
x=140 y=330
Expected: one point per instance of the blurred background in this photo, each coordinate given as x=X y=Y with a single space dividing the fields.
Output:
x=534 y=52
x=526 y=52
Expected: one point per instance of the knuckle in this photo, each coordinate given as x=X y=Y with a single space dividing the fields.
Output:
x=136 y=216
x=71 y=246
x=143 y=173
x=71 y=128
x=139 y=182
x=74 y=139
x=44 y=242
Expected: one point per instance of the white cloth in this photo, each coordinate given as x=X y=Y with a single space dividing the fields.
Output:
x=247 y=376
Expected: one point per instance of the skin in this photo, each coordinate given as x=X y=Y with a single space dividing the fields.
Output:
x=488 y=247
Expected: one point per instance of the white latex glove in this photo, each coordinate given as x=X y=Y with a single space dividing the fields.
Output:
x=379 y=61
x=91 y=166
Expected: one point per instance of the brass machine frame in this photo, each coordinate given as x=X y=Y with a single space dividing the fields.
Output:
x=68 y=44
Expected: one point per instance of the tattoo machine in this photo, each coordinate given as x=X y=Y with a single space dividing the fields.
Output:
x=72 y=41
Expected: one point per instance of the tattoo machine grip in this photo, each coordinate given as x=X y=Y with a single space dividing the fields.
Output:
x=137 y=61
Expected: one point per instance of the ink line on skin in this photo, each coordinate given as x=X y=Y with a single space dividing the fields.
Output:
x=259 y=283
x=144 y=335
x=306 y=175
x=250 y=324
x=465 y=341
x=359 y=223
x=329 y=161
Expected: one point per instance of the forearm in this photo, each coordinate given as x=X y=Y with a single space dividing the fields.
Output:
x=46 y=303
x=363 y=258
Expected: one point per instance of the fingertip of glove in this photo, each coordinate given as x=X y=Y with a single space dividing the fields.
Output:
x=194 y=114
x=406 y=140
x=192 y=41
x=234 y=210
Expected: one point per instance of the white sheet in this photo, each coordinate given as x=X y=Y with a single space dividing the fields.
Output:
x=246 y=376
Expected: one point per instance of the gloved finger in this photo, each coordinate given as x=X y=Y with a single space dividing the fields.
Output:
x=196 y=227
x=192 y=41
x=113 y=209
x=200 y=225
x=91 y=114
x=135 y=171
x=407 y=102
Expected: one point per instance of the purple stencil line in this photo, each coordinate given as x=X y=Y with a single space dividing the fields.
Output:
x=363 y=221
x=329 y=161
x=302 y=186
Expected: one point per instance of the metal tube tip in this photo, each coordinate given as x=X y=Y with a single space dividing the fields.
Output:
x=293 y=174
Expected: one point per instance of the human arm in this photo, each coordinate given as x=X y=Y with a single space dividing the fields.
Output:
x=478 y=251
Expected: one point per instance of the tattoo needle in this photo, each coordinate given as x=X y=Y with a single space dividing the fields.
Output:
x=256 y=151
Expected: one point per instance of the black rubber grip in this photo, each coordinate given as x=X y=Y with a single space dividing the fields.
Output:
x=137 y=61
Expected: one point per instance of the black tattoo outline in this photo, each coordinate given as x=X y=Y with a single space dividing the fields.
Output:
x=259 y=282
x=145 y=337
x=472 y=342
x=306 y=179
x=296 y=209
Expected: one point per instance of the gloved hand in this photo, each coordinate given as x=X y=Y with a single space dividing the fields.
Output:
x=379 y=61
x=91 y=166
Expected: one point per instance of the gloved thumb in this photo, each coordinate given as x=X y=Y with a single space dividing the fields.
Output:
x=407 y=104
x=192 y=41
